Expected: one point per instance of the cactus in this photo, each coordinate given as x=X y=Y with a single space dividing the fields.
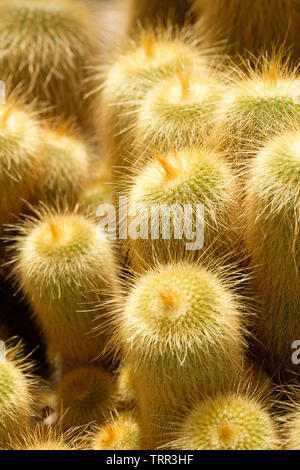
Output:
x=67 y=272
x=120 y=433
x=66 y=169
x=85 y=395
x=177 y=112
x=45 y=49
x=228 y=422
x=17 y=387
x=20 y=160
x=272 y=213
x=258 y=104
x=179 y=329
x=185 y=177
x=153 y=56
x=250 y=25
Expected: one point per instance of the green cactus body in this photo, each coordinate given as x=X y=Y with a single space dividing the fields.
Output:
x=187 y=177
x=20 y=160
x=121 y=433
x=227 y=423
x=45 y=49
x=250 y=25
x=151 y=58
x=272 y=212
x=85 y=395
x=180 y=329
x=257 y=105
x=68 y=275
x=177 y=112
x=66 y=169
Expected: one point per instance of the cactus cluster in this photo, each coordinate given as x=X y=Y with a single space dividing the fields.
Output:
x=172 y=326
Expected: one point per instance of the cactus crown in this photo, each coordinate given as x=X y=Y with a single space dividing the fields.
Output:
x=186 y=176
x=228 y=423
x=121 y=433
x=261 y=101
x=173 y=309
x=86 y=394
x=178 y=111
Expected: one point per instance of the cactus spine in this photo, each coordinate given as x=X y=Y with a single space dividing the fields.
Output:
x=172 y=181
x=85 y=395
x=272 y=235
x=179 y=330
x=46 y=47
x=20 y=161
x=68 y=275
x=120 y=433
x=228 y=423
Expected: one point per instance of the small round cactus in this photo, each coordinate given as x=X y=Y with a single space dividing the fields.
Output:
x=153 y=56
x=198 y=179
x=258 y=103
x=67 y=272
x=272 y=212
x=66 y=168
x=250 y=25
x=179 y=330
x=85 y=395
x=45 y=49
x=227 y=423
x=20 y=160
x=177 y=112
x=120 y=433
x=16 y=393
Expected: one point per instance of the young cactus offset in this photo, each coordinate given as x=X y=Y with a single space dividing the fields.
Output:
x=45 y=49
x=258 y=103
x=66 y=269
x=227 y=422
x=20 y=160
x=66 y=168
x=85 y=395
x=16 y=393
x=180 y=329
x=191 y=191
x=153 y=56
x=120 y=433
x=178 y=111
x=250 y=25
x=272 y=214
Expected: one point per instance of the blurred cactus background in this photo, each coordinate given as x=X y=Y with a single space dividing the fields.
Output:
x=149 y=224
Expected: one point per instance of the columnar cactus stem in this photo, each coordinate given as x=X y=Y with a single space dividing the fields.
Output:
x=179 y=330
